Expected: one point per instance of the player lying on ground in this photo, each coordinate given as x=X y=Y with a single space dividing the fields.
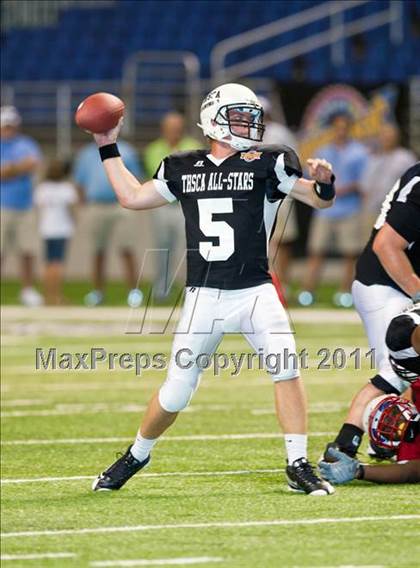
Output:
x=390 y=421
x=229 y=196
x=387 y=276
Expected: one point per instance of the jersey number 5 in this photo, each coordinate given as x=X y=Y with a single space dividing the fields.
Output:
x=220 y=229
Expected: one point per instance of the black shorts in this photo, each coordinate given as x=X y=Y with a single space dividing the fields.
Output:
x=55 y=249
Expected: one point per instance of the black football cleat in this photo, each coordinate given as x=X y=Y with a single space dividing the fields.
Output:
x=119 y=472
x=302 y=478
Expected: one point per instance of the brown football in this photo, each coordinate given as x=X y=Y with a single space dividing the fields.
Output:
x=99 y=112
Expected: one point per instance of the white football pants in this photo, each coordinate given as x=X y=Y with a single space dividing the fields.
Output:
x=377 y=305
x=208 y=314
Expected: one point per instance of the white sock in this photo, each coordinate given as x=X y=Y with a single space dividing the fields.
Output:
x=296 y=446
x=142 y=447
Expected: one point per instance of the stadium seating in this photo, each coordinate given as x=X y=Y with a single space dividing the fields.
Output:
x=128 y=26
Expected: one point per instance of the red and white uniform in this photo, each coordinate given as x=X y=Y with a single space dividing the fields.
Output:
x=408 y=451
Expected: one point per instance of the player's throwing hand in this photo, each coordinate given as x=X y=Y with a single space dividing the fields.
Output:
x=320 y=170
x=109 y=137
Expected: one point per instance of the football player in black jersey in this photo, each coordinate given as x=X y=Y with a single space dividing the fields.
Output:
x=229 y=195
x=387 y=282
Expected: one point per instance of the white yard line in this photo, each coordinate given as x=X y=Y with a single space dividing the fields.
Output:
x=130 y=346
x=316 y=408
x=62 y=409
x=215 y=524
x=149 y=380
x=148 y=475
x=194 y=437
x=38 y=556
x=156 y=562
x=124 y=314
x=82 y=322
x=132 y=383
x=25 y=402
x=141 y=345
x=345 y=566
x=98 y=408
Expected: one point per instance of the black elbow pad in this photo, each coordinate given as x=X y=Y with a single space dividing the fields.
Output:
x=398 y=335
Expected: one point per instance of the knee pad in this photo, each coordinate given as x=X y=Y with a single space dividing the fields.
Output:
x=175 y=395
x=398 y=335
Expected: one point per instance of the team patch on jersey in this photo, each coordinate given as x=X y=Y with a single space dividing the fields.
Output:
x=250 y=156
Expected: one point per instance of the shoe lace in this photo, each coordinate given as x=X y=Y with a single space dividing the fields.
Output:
x=120 y=455
x=307 y=470
x=129 y=459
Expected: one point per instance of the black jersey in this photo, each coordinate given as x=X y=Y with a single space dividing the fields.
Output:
x=230 y=206
x=401 y=210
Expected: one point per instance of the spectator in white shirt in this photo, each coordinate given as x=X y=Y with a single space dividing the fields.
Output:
x=383 y=169
x=55 y=199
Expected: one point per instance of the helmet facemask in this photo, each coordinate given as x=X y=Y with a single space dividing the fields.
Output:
x=242 y=121
x=388 y=420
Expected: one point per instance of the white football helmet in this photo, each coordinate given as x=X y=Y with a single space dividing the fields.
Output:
x=221 y=118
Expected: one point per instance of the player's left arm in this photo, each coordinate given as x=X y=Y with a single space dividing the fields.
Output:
x=389 y=246
x=345 y=469
x=408 y=472
x=318 y=193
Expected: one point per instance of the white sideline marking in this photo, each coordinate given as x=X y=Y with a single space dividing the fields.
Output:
x=164 y=474
x=157 y=561
x=195 y=437
x=37 y=556
x=216 y=524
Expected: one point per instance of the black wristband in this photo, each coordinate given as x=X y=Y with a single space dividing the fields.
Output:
x=360 y=472
x=109 y=151
x=325 y=191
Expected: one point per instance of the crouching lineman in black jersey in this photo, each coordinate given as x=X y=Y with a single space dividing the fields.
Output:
x=229 y=196
x=387 y=277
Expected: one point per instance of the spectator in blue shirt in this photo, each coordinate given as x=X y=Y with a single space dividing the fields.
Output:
x=341 y=224
x=20 y=159
x=107 y=219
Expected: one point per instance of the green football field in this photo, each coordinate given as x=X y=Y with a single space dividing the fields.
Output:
x=214 y=493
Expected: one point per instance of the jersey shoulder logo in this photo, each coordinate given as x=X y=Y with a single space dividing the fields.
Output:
x=250 y=156
x=199 y=164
